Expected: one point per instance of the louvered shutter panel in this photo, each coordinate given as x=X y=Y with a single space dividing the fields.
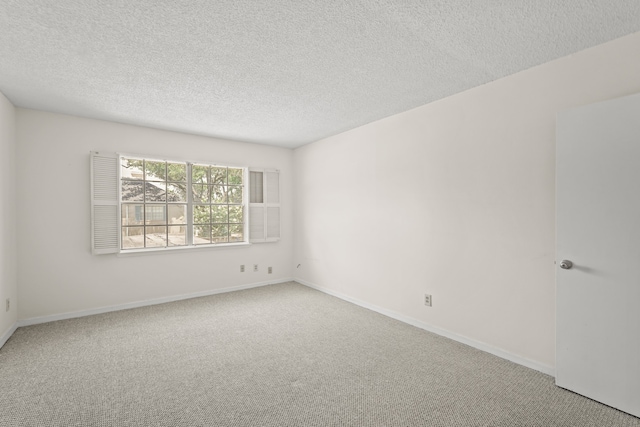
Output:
x=256 y=206
x=256 y=187
x=272 y=184
x=264 y=206
x=273 y=223
x=272 y=179
x=105 y=229
x=256 y=224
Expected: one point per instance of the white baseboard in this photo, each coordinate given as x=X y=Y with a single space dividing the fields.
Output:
x=82 y=313
x=549 y=370
x=5 y=337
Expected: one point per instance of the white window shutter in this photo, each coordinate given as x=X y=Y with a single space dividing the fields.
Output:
x=256 y=187
x=264 y=206
x=256 y=224
x=273 y=223
x=272 y=179
x=105 y=215
x=272 y=184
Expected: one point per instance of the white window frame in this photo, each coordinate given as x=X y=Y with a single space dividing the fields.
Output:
x=104 y=221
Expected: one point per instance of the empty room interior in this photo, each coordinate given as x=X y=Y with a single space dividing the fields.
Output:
x=318 y=213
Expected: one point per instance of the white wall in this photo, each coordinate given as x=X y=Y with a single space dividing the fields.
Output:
x=8 y=260
x=58 y=274
x=455 y=199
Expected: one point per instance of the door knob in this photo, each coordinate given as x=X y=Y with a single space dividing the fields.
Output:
x=566 y=264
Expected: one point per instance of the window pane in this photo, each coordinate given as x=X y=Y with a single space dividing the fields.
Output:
x=236 y=233
x=177 y=214
x=201 y=234
x=131 y=169
x=155 y=192
x=132 y=214
x=177 y=192
x=155 y=214
x=177 y=172
x=132 y=191
x=177 y=235
x=235 y=176
x=132 y=237
x=235 y=194
x=201 y=214
x=235 y=214
x=155 y=171
x=218 y=176
x=218 y=194
x=220 y=233
x=255 y=194
x=200 y=193
x=199 y=174
x=155 y=236
x=219 y=213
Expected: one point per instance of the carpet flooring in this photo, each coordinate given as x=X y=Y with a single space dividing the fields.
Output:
x=279 y=355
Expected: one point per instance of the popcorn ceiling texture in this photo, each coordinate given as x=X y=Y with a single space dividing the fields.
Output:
x=279 y=72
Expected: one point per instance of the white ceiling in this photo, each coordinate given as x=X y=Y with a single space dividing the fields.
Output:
x=280 y=72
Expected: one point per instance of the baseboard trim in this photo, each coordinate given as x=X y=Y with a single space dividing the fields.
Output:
x=144 y=303
x=545 y=369
x=5 y=337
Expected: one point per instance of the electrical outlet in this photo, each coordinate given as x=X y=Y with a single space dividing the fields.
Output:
x=242 y=268
x=8 y=304
x=427 y=300
x=255 y=267
x=270 y=270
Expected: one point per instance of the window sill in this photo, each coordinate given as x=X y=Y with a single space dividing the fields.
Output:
x=193 y=248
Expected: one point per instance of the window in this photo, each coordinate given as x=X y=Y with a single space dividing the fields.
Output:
x=142 y=203
x=153 y=203
x=218 y=208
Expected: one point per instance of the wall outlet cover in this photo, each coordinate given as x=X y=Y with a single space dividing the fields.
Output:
x=427 y=300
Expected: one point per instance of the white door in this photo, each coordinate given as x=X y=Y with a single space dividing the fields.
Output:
x=598 y=230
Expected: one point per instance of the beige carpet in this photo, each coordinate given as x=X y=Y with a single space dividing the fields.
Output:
x=281 y=355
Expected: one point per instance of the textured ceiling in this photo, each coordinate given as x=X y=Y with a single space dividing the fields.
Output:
x=280 y=72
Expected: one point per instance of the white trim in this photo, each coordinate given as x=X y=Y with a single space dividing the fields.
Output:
x=126 y=306
x=187 y=248
x=5 y=337
x=545 y=369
